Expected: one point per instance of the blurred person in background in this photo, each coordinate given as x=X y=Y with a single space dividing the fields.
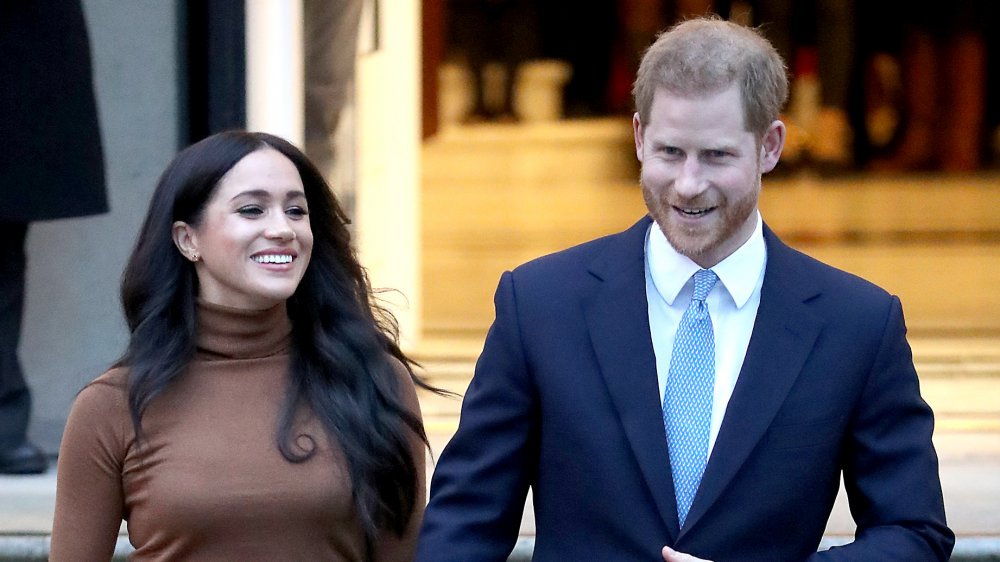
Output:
x=944 y=64
x=51 y=167
x=505 y=32
x=828 y=136
x=330 y=31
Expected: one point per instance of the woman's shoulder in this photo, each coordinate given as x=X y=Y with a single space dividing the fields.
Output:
x=115 y=376
x=99 y=418
x=109 y=390
x=401 y=369
x=404 y=372
x=406 y=385
x=114 y=379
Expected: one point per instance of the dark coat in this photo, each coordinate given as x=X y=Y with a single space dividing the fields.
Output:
x=51 y=163
x=565 y=400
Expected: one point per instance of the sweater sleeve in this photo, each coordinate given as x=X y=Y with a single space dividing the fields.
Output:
x=89 y=492
x=392 y=547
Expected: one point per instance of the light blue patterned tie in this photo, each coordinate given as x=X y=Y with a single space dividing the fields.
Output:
x=687 y=401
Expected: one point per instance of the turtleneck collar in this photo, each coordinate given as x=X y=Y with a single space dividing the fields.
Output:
x=232 y=333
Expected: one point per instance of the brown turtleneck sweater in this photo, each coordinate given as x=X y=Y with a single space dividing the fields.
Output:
x=209 y=483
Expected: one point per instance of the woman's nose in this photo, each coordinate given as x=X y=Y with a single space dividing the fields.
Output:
x=279 y=228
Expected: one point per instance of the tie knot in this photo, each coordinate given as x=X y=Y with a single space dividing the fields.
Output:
x=704 y=280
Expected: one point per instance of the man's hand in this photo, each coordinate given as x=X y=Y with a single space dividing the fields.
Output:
x=671 y=555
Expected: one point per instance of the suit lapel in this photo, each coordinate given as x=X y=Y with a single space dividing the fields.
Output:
x=783 y=336
x=618 y=324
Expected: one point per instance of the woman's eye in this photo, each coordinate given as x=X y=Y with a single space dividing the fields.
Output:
x=250 y=211
x=297 y=212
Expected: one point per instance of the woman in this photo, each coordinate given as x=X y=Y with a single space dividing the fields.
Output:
x=263 y=409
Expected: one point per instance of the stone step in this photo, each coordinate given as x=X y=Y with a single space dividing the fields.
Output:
x=35 y=548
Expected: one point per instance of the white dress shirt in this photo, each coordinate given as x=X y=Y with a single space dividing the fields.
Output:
x=732 y=304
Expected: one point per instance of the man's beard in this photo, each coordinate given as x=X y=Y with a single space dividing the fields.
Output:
x=698 y=242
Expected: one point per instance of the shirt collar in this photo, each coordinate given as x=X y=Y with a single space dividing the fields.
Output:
x=739 y=272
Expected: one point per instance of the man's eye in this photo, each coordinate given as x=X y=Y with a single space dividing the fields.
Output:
x=717 y=154
x=671 y=150
x=250 y=211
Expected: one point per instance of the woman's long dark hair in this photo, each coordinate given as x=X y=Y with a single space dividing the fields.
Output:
x=343 y=341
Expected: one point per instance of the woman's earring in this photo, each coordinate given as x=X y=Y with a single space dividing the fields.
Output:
x=195 y=257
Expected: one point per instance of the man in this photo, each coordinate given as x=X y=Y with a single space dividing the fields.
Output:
x=330 y=31
x=51 y=167
x=651 y=428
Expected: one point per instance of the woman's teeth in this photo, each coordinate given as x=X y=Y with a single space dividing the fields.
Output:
x=273 y=258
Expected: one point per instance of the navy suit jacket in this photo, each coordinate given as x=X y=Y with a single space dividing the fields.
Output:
x=565 y=401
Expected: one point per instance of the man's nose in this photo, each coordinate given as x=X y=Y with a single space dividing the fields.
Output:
x=690 y=180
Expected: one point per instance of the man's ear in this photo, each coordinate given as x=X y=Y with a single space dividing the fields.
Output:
x=637 y=133
x=770 y=146
x=186 y=240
